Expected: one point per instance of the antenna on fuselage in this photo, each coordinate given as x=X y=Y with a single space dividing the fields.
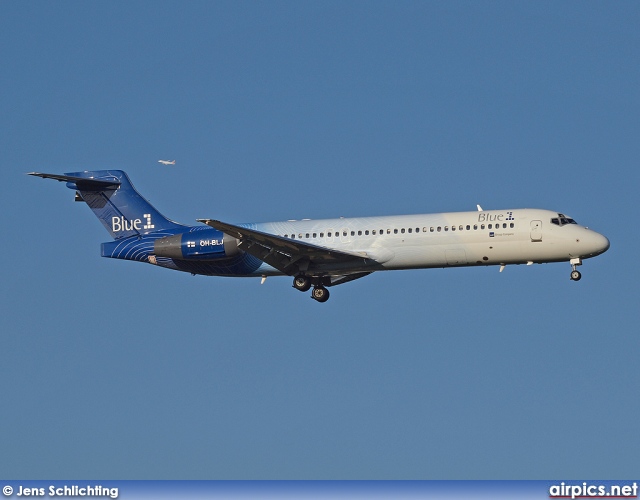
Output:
x=479 y=208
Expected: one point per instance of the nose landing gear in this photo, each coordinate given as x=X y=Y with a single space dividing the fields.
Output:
x=575 y=274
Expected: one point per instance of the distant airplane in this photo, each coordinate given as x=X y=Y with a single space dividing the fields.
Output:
x=329 y=252
x=167 y=162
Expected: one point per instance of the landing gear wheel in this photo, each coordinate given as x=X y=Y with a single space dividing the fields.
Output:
x=320 y=293
x=302 y=283
x=575 y=275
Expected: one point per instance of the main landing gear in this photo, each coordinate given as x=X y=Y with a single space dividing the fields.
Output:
x=320 y=293
x=575 y=274
x=303 y=283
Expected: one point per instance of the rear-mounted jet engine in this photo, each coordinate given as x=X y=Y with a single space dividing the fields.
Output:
x=208 y=244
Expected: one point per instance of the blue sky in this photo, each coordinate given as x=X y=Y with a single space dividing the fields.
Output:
x=279 y=110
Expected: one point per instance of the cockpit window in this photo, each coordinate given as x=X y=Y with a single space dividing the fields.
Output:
x=562 y=220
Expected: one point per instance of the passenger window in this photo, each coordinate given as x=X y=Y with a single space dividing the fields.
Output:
x=439 y=228
x=431 y=229
x=489 y=226
x=418 y=230
x=373 y=232
x=306 y=235
x=328 y=235
x=402 y=230
x=366 y=233
x=344 y=233
x=314 y=235
x=504 y=225
x=388 y=231
x=395 y=231
x=446 y=228
x=475 y=227
x=353 y=233
x=461 y=228
x=511 y=225
x=410 y=230
x=453 y=228
x=468 y=227
x=321 y=235
x=300 y=236
x=481 y=226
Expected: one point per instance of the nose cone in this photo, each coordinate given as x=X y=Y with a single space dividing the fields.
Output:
x=597 y=244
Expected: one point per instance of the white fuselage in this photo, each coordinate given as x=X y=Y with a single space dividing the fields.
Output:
x=491 y=237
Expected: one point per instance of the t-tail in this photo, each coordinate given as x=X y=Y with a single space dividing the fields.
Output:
x=110 y=194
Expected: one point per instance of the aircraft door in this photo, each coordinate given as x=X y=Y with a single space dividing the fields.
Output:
x=536 y=230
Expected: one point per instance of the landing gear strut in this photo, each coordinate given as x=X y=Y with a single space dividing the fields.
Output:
x=575 y=274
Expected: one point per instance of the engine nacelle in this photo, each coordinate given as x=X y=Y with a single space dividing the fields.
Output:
x=207 y=244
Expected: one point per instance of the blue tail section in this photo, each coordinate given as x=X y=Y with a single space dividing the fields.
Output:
x=114 y=200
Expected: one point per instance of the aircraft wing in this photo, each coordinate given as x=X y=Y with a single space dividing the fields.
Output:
x=292 y=256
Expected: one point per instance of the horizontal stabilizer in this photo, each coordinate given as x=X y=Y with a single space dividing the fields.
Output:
x=82 y=182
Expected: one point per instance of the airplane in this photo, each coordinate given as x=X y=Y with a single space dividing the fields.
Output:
x=167 y=162
x=328 y=252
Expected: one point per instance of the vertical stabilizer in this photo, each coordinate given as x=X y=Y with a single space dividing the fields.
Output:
x=121 y=209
